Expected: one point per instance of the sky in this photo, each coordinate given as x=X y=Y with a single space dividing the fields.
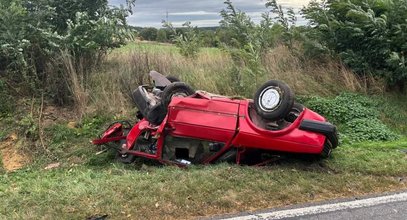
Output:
x=203 y=13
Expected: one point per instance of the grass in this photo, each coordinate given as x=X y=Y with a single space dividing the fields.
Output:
x=393 y=111
x=87 y=184
x=150 y=192
x=213 y=70
x=158 y=47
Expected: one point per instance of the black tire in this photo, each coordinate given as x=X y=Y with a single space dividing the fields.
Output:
x=327 y=150
x=278 y=96
x=294 y=112
x=175 y=89
x=124 y=158
x=173 y=79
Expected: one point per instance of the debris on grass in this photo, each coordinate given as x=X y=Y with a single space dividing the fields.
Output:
x=52 y=166
x=72 y=125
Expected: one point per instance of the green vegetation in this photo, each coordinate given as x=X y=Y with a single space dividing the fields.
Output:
x=357 y=117
x=369 y=36
x=149 y=34
x=46 y=61
x=33 y=34
x=142 y=191
x=6 y=100
x=85 y=184
x=186 y=39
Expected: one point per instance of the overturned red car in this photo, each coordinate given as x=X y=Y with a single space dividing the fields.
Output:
x=178 y=125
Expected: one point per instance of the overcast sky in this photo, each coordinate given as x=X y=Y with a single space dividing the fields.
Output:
x=203 y=13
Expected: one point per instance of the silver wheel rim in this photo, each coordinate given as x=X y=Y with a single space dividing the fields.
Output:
x=270 y=99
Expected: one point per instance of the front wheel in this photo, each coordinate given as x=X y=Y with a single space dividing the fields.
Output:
x=274 y=100
x=123 y=157
x=327 y=150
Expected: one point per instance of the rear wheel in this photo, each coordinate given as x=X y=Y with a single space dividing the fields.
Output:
x=274 y=100
x=177 y=89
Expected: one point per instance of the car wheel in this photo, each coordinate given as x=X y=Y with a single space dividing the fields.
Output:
x=177 y=89
x=274 y=100
x=327 y=150
x=124 y=158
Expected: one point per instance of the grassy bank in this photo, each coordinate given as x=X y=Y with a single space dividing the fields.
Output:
x=141 y=191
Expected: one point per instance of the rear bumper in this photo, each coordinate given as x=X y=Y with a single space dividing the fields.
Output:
x=325 y=128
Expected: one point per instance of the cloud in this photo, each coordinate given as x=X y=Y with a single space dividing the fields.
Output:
x=201 y=13
x=193 y=13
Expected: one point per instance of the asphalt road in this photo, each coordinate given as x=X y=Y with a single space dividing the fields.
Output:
x=390 y=206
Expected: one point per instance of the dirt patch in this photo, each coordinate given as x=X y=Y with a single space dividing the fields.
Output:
x=52 y=115
x=12 y=159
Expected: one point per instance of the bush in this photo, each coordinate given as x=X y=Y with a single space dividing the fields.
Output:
x=369 y=36
x=344 y=107
x=33 y=33
x=356 y=116
x=368 y=129
x=149 y=34
x=6 y=101
x=186 y=39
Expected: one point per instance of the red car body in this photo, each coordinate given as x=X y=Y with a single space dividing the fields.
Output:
x=219 y=125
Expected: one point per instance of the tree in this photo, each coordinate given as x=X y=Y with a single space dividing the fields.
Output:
x=186 y=38
x=162 y=35
x=149 y=34
x=33 y=33
x=286 y=21
x=208 y=38
x=369 y=36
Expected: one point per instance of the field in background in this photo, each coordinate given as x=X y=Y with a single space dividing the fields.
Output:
x=83 y=183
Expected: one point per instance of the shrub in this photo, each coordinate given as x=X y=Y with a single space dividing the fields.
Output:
x=186 y=39
x=356 y=116
x=368 y=129
x=245 y=46
x=34 y=32
x=369 y=36
x=149 y=34
x=6 y=102
x=344 y=107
